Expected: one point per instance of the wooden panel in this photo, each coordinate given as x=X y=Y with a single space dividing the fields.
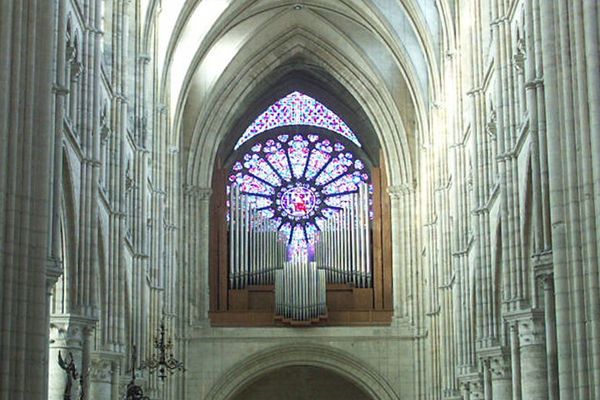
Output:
x=386 y=227
x=377 y=241
x=334 y=318
x=362 y=299
x=238 y=300
x=261 y=298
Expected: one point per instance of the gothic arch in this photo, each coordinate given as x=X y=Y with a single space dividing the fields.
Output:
x=238 y=377
x=214 y=117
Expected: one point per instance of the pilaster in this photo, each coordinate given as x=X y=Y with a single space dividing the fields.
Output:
x=103 y=368
x=530 y=325
x=69 y=335
x=498 y=362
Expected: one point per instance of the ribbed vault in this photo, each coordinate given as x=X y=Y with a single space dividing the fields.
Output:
x=217 y=72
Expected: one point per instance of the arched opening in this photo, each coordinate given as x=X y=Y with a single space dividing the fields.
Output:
x=340 y=368
x=301 y=382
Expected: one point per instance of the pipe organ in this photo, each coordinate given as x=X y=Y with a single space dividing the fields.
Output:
x=255 y=247
x=344 y=246
x=260 y=254
x=300 y=290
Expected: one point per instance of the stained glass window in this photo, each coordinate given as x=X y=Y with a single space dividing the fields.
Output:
x=298 y=181
x=297 y=109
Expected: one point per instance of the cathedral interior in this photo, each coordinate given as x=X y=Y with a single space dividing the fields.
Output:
x=300 y=199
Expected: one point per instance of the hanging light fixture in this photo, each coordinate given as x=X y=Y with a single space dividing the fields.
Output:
x=163 y=360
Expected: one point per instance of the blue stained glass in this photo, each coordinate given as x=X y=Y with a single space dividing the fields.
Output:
x=311 y=232
x=316 y=162
x=259 y=201
x=259 y=167
x=298 y=153
x=335 y=168
x=297 y=109
x=256 y=147
x=324 y=146
x=280 y=163
x=344 y=184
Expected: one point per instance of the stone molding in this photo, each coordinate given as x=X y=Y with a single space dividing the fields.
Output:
x=197 y=192
x=398 y=191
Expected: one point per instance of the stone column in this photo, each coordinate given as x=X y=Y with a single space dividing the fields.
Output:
x=534 y=380
x=68 y=335
x=27 y=53
x=101 y=375
x=551 y=350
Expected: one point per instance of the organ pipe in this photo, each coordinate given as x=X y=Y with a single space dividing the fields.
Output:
x=259 y=255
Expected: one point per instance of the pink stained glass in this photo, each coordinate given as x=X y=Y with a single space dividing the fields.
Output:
x=299 y=181
x=297 y=109
x=260 y=168
x=335 y=168
x=279 y=161
x=316 y=162
x=298 y=153
x=251 y=185
x=346 y=183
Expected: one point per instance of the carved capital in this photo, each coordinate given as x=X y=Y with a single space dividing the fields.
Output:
x=473 y=384
x=532 y=331
x=497 y=359
x=197 y=192
x=69 y=331
x=102 y=366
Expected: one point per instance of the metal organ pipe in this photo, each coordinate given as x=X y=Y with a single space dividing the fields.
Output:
x=258 y=255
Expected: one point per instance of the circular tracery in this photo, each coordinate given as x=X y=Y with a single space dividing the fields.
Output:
x=297 y=202
x=299 y=182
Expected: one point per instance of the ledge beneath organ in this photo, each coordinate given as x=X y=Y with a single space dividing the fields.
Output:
x=346 y=305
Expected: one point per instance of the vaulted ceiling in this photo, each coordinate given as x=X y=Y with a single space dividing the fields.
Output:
x=376 y=63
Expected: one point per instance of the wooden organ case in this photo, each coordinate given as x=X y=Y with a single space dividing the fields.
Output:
x=346 y=281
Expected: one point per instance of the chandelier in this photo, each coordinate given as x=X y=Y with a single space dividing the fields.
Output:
x=162 y=360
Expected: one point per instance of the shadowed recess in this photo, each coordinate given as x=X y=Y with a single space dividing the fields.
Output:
x=300 y=383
